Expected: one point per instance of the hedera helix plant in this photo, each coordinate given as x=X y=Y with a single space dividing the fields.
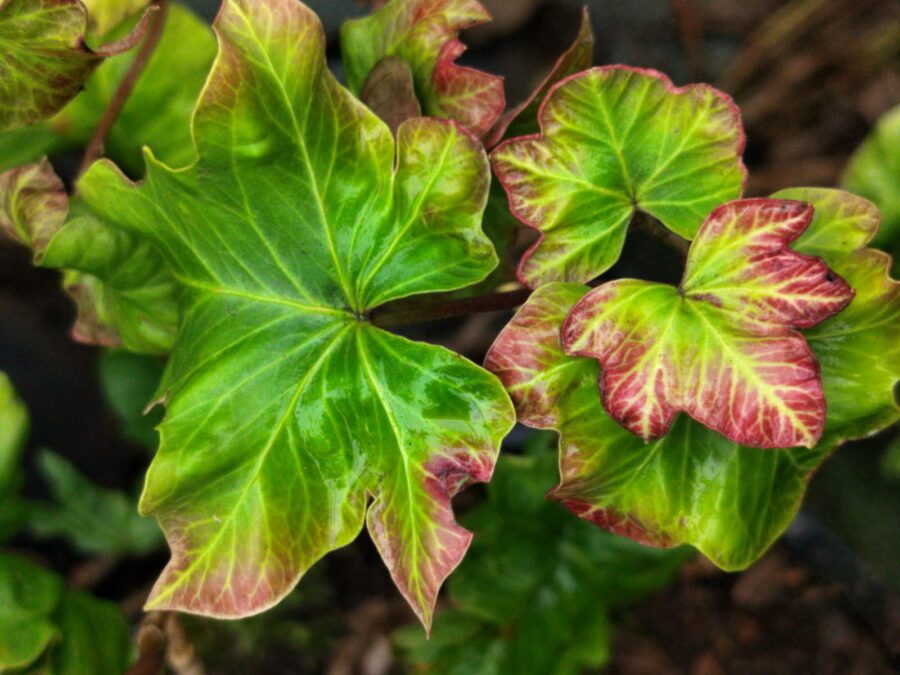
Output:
x=269 y=257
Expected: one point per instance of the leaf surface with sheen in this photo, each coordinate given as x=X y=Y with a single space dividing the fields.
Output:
x=694 y=486
x=615 y=140
x=286 y=408
x=724 y=345
x=13 y=435
x=425 y=33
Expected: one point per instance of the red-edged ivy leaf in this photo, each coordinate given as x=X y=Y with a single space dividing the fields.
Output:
x=615 y=140
x=44 y=61
x=874 y=173
x=722 y=347
x=123 y=287
x=859 y=349
x=535 y=592
x=390 y=92
x=425 y=33
x=285 y=407
x=693 y=485
x=522 y=120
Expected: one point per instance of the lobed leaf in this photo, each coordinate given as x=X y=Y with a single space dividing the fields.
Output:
x=693 y=485
x=615 y=140
x=157 y=113
x=44 y=61
x=424 y=33
x=123 y=288
x=874 y=173
x=859 y=349
x=285 y=407
x=722 y=347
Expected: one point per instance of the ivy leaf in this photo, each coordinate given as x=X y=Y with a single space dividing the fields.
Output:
x=157 y=113
x=694 y=486
x=105 y=15
x=874 y=173
x=93 y=519
x=535 y=592
x=44 y=61
x=124 y=289
x=13 y=434
x=522 y=120
x=47 y=629
x=285 y=406
x=425 y=33
x=29 y=596
x=723 y=346
x=615 y=140
x=859 y=349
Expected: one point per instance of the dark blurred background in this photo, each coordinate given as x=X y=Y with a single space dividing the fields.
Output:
x=811 y=77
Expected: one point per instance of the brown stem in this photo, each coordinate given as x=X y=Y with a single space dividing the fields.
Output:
x=493 y=302
x=665 y=235
x=151 y=646
x=95 y=148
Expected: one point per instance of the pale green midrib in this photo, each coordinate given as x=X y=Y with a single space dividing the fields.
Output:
x=266 y=299
x=414 y=548
x=363 y=288
x=750 y=372
x=301 y=144
x=183 y=575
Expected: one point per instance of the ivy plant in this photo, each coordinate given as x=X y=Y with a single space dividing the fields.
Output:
x=278 y=225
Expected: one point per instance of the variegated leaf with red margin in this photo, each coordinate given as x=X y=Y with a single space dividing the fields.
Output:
x=693 y=485
x=615 y=140
x=44 y=61
x=722 y=347
x=287 y=411
x=425 y=33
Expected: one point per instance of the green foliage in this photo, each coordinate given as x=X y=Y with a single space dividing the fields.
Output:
x=693 y=485
x=45 y=628
x=129 y=383
x=285 y=407
x=94 y=520
x=874 y=173
x=615 y=140
x=13 y=434
x=535 y=591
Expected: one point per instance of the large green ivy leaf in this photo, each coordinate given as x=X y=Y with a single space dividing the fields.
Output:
x=693 y=485
x=13 y=434
x=47 y=629
x=123 y=287
x=723 y=346
x=615 y=140
x=285 y=406
x=157 y=113
x=874 y=173
x=534 y=593
x=95 y=520
x=424 y=34
x=44 y=61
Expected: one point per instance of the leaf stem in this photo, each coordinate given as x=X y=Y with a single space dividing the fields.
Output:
x=663 y=234
x=95 y=147
x=386 y=317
